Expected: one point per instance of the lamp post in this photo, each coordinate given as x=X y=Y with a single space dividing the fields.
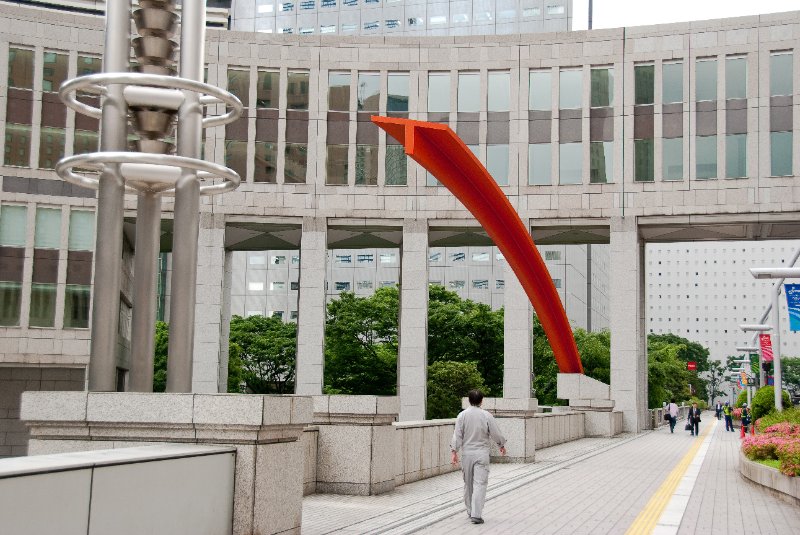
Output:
x=757 y=328
x=776 y=273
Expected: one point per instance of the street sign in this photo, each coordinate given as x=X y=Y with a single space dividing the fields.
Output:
x=766 y=346
x=793 y=303
x=751 y=381
x=691 y=365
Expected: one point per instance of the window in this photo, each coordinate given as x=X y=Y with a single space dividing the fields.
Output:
x=47 y=239
x=456 y=285
x=644 y=77
x=438 y=92
x=396 y=165
x=239 y=85
x=397 y=97
x=267 y=89
x=342 y=286
x=499 y=91
x=18 y=145
x=555 y=10
x=344 y=259
x=602 y=87
x=54 y=70
x=552 y=255
x=20 y=68
x=480 y=257
x=780 y=153
x=672 y=158
x=499 y=284
x=255 y=286
x=540 y=91
x=294 y=286
x=736 y=155
x=293 y=315
x=387 y=284
x=736 y=77
x=339 y=91
x=643 y=160
x=366 y=258
x=265 y=163
x=706 y=149
x=364 y=285
x=457 y=257
x=256 y=260
x=435 y=257
x=295 y=259
x=297 y=91
x=480 y=284
x=469 y=92
x=295 y=163
x=336 y=165
x=368 y=91
x=570 y=88
x=278 y=260
x=366 y=165
x=539 y=164
x=236 y=156
x=557 y=283
x=387 y=258
x=51 y=146
x=531 y=12
x=79 y=269
x=13 y=230
x=706 y=79
x=601 y=166
x=672 y=82
x=497 y=163
x=570 y=163
x=780 y=73
x=277 y=285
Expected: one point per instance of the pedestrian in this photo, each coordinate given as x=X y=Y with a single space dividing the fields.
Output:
x=474 y=433
x=727 y=410
x=694 y=419
x=745 y=417
x=718 y=410
x=672 y=411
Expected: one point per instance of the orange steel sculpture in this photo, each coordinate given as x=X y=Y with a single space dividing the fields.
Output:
x=439 y=150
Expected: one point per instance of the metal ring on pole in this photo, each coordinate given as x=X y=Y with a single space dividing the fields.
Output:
x=96 y=161
x=96 y=84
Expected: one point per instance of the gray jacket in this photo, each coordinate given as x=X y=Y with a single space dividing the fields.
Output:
x=475 y=431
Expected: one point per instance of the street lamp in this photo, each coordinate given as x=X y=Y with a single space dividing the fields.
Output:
x=757 y=327
x=776 y=273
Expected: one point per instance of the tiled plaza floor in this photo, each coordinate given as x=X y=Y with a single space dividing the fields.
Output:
x=593 y=485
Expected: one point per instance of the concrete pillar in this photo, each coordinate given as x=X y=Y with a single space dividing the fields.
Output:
x=311 y=307
x=628 y=333
x=517 y=331
x=208 y=308
x=412 y=354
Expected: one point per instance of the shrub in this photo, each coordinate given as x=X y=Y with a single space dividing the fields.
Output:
x=701 y=403
x=737 y=414
x=789 y=456
x=763 y=446
x=448 y=382
x=790 y=415
x=742 y=399
x=764 y=401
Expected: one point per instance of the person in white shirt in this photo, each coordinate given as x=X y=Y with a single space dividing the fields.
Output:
x=672 y=410
x=474 y=433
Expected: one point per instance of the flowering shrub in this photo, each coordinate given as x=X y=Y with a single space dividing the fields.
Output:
x=783 y=429
x=789 y=455
x=737 y=414
x=779 y=441
x=762 y=446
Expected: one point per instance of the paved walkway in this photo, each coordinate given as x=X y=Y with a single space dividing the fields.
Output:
x=655 y=482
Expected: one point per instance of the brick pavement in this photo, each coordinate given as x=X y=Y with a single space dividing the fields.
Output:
x=589 y=486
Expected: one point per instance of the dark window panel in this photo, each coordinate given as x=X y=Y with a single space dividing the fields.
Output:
x=266 y=161
x=295 y=163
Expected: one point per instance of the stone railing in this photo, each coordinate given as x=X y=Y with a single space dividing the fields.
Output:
x=657 y=416
x=423 y=449
x=558 y=427
x=785 y=487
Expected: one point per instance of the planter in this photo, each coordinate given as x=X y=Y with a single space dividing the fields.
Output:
x=785 y=487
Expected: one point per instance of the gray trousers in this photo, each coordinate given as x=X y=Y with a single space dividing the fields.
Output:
x=475 y=467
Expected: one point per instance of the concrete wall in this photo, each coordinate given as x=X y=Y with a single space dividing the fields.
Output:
x=423 y=449
x=557 y=428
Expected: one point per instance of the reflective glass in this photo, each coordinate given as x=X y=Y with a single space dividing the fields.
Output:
x=87 y=65
x=570 y=89
x=54 y=70
x=81 y=230
x=602 y=87
x=297 y=91
x=736 y=77
x=13 y=225
x=780 y=74
x=438 y=92
x=336 y=165
x=706 y=156
x=540 y=161
x=736 y=156
x=706 y=80
x=499 y=91
x=570 y=163
x=369 y=91
x=236 y=157
x=540 y=96
x=266 y=162
x=672 y=82
x=366 y=165
x=18 y=145
x=397 y=98
x=85 y=142
x=295 y=163
x=601 y=162
x=10 y=301
x=497 y=163
x=267 y=89
x=43 y=305
x=469 y=92
x=396 y=166
x=643 y=160
x=20 y=68
x=76 y=306
x=339 y=91
x=780 y=153
x=672 y=161
x=644 y=82
x=51 y=146
x=239 y=85
x=47 y=234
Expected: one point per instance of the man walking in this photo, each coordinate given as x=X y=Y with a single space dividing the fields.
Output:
x=475 y=431
x=728 y=412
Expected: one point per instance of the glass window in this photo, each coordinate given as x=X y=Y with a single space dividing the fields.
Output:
x=540 y=161
x=297 y=91
x=51 y=146
x=480 y=284
x=706 y=149
x=672 y=158
x=469 y=91
x=278 y=260
x=277 y=285
x=455 y=285
x=365 y=258
x=366 y=165
x=570 y=88
x=499 y=284
x=555 y=10
x=81 y=230
x=85 y=142
x=672 y=82
x=736 y=155
x=369 y=91
x=336 y=165
x=780 y=153
x=706 y=80
x=570 y=163
x=497 y=163
x=552 y=255
x=339 y=91
x=255 y=286
x=435 y=257
x=601 y=166
x=499 y=96
x=458 y=257
x=76 y=306
x=43 y=305
x=644 y=82
x=643 y=160
x=48 y=228
x=540 y=96
x=480 y=257
x=736 y=77
x=397 y=97
x=239 y=85
x=13 y=225
x=87 y=65
x=236 y=157
x=295 y=163
x=20 y=68
x=18 y=145
x=602 y=87
x=396 y=165
x=266 y=161
x=780 y=74
x=438 y=92
x=267 y=89
x=10 y=301
x=54 y=70
x=387 y=258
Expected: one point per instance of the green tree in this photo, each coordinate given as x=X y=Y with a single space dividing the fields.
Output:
x=688 y=351
x=263 y=351
x=667 y=376
x=361 y=343
x=764 y=401
x=160 y=359
x=715 y=378
x=790 y=373
x=448 y=382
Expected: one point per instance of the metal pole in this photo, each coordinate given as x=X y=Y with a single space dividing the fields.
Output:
x=110 y=205
x=148 y=231
x=187 y=205
x=590 y=14
x=776 y=346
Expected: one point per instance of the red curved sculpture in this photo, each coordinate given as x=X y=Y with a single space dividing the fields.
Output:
x=439 y=150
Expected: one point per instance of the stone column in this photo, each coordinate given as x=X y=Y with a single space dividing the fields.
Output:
x=517 y=331
x=412 y=354
x=628 y=334
x=208 y=313
x=311 y=307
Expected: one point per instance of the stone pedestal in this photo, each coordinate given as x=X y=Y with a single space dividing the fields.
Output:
x=356 y=446
x=515 y=419
x=593 y=398
x=268 y=486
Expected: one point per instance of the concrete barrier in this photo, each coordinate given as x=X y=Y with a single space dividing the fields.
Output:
x=784 y=487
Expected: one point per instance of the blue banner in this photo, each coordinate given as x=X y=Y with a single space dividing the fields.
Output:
x=793 y=303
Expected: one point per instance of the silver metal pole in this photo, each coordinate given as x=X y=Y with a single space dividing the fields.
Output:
x=110 y=205
x=776 y=346
x=148 y=234
x=187 y=205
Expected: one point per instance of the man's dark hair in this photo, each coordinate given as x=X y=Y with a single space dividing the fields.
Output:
x=673 y=400
x=475 y=397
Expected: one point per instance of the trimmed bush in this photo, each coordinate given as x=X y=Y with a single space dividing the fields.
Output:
x=764 y=401
x=790 y=415
x=742 y=399
x=789 y=456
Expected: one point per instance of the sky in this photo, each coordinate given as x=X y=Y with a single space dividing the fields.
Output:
x=618 y=13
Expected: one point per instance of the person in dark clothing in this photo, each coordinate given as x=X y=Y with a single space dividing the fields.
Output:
x=694 y=419
x=727 y=410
